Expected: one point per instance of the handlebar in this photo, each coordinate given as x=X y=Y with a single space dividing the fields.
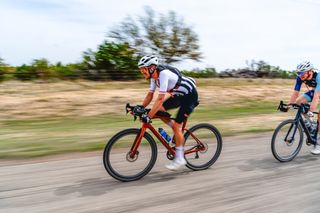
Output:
x=285 y=107
x=139 y=111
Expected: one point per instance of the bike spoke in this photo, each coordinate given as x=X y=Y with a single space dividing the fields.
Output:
x=202 y=146
x=122 y=163
x=286 y=141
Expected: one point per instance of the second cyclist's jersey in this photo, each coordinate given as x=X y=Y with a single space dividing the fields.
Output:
x=167 y=82
x=314 y=82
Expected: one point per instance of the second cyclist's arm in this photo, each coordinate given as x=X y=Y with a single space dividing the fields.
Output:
x=296 y=91
x=315 y=100
x=294 y=97
x=316 y=96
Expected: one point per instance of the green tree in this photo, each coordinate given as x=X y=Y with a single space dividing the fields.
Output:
x=164 y=35
x=267 y=70
x=25 y=72
x=3 y=69
x=41 y=68
x=111 y=61
x=66 y=72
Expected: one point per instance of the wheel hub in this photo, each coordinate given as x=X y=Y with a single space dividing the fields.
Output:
x=135 y=157
x=204 y=148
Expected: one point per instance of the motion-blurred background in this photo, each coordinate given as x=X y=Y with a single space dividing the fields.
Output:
x=67 y=68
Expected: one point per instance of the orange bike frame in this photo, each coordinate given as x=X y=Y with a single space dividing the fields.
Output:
x=146 y=126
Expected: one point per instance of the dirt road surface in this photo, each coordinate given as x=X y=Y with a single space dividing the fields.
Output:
x=246 y=178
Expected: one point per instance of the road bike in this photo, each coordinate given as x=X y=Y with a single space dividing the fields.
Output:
x=287 y=138
x=130 y=154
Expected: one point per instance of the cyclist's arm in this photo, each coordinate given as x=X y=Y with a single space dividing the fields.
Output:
x=157 y=105
x=316 y=96
x=149 y=95
x=294 y=97
x=164 y=81
x=148 y=98
x=296 y=91
x=315 y=100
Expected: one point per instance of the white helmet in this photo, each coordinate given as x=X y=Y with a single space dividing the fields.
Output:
x=304 y=66
x=148 y=60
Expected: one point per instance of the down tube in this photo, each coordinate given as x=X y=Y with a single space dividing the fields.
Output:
x=297 y=119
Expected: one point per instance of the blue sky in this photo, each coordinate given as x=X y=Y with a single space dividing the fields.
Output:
x=281 y=32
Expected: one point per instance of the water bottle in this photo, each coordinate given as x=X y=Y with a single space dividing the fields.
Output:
x=308 y=124
x=313 y=128
x=164 y=135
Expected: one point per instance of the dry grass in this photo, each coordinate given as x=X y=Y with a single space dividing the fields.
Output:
x=26 y=100
x=39 y=119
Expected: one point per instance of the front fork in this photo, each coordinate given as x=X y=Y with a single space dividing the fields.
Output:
x=134 y=148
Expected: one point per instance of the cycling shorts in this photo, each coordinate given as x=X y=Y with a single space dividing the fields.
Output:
x=187 y=103
x=309 y=95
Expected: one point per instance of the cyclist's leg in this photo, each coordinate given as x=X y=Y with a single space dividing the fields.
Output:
x=305 y=98
x=188 y=103
x=171 y=103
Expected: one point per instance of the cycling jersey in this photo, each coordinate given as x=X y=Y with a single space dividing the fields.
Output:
x=314 y=82
x=183 y=89
x=167 y=82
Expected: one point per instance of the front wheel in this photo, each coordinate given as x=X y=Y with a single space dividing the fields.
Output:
x=204 y=142
x=287 y=141
x=118 y=160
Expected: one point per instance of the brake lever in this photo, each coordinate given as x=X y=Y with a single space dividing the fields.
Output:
x=280 y=105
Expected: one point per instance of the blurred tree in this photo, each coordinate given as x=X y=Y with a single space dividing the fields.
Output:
x=25 y=72
x=112 y=61
x=66 y=72
x=266 y=70
x=167 y=36
x=206 y=73
x=41 y=68
x=3 y=69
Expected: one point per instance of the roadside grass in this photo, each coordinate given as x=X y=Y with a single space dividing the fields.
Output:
x=47 y=118
x=54 y=135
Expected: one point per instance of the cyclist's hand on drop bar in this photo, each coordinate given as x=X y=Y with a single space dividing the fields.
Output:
x=146 y=119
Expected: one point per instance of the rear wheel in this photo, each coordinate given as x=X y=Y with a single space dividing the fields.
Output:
x=209 y=148
x=286 y=142
x=117 y=157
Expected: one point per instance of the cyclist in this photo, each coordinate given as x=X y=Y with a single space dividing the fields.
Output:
x=310 y=77
x=183 y=94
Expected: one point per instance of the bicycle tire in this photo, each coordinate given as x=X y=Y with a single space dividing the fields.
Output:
x=216 y=153
x=276 y=151
x=113 y=141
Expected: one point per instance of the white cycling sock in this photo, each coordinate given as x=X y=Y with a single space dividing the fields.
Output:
x=179 y=152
